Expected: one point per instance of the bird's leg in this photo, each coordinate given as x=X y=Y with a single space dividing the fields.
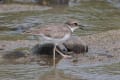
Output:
x=63 y=55
x=54 y=49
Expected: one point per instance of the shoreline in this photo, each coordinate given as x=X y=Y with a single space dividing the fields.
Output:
x=11 y=8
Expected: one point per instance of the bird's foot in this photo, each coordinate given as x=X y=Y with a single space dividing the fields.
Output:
x=67 y=56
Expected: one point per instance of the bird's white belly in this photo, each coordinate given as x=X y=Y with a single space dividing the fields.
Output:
x=46 y=39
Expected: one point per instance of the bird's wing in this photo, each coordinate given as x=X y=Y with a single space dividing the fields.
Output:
x=53 y=31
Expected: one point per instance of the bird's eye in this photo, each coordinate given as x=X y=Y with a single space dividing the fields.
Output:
x=76 y=24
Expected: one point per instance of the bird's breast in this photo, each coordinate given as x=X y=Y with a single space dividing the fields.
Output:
x=56 y=40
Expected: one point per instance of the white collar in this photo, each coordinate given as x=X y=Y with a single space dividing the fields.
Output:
x=70 y=28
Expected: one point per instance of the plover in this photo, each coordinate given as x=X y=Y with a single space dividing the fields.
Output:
x=56 y=33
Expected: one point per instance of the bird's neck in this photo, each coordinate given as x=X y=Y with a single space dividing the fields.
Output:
x=71 y=29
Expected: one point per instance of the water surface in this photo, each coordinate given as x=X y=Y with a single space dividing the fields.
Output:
x=97 y=16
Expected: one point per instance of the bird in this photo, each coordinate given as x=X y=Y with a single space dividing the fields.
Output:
x=56 y=33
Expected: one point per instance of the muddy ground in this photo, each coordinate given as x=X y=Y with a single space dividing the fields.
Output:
x=103 y=47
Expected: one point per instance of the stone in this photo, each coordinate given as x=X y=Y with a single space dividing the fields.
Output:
x=74 y=45
x=47 y=49
x=13 y=55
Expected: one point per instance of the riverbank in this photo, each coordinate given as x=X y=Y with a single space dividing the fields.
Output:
x=5 y=8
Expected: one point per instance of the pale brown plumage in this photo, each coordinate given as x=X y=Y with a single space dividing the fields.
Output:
x=52 y=30
x=56 y=33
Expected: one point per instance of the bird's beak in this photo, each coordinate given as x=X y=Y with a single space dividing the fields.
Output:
x=81 y=27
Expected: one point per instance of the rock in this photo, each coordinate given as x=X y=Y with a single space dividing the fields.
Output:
x=22 y=27
x=14 y=55
x=26 y=24
x=47 y=49
x=76 y=45
x=42 y=49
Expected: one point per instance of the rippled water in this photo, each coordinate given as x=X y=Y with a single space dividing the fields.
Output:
x=35 y=71
x=97 y=16
x=65 y=70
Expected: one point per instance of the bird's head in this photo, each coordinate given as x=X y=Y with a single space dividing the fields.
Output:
x=74 y=24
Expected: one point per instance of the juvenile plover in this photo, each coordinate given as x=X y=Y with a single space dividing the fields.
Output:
x=56 y=33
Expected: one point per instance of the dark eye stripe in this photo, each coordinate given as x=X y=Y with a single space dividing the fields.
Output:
x=75 y=24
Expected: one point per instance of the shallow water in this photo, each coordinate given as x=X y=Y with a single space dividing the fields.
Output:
x=97 y=16
x=64 y=70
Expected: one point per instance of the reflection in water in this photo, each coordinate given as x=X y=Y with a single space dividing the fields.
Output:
x=56 y=74
x=46 y=60
x=41 y=69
